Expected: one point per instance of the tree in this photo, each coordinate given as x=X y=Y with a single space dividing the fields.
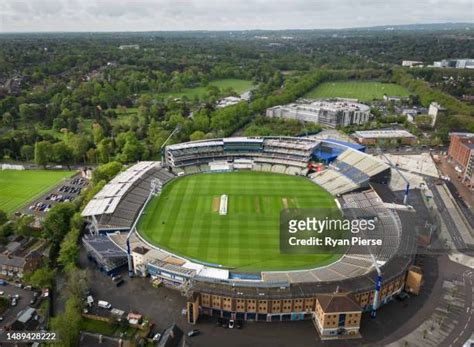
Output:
x=30 y=112
x=22 y=225
x=7 y=119
x=27 y=152
x=423 y=122
x=105 y=149
x=106 y=172
x=79 y=144
x=42 y=152
x=97 y=132
x=57 y=222
x=133 y=150
x=61 y=153
x=197 y=135
x=69 y=250
x=68 y=323
x=41 y=278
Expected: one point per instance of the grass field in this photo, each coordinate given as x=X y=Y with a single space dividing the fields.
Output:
x=362 y=90
x=239 y=86
x=19 y=187
x=185 y=219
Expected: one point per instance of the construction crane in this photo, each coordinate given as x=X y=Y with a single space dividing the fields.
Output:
x=178 y=128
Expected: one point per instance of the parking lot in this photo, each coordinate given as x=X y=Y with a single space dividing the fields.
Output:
x=67 y=190
x=10 y=290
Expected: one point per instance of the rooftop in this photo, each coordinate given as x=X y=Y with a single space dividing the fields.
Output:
x=334 y=106
x=338 y=303
x=383 y=133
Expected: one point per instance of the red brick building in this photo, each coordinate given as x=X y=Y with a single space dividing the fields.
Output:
x=461 y=154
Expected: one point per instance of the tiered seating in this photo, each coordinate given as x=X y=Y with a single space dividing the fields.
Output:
x=333 y=181
x=388 y=227
x=358 y=166
x=266 y=167
x=278 y=168
x=193 y=169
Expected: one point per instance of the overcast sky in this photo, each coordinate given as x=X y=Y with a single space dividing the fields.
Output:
x=148 y=15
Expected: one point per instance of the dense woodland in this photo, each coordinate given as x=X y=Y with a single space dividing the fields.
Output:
x=79 y=98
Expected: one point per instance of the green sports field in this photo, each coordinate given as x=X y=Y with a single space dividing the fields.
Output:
x=362 y=90
x=238 y=85
x=185 y=219
x=17 y=188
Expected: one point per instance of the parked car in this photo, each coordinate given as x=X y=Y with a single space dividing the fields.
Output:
x=2 y=293
x=194 y=332
x=231 y=324
x=104 y=304
x=14 y=302
x=3 y=283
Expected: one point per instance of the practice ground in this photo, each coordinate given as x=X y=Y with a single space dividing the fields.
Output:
x=239 y=86
x=185 y=219
x=362 y=90
x=19 y=187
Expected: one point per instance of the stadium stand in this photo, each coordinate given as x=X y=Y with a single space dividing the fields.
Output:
x=108 y=257
x=349 y=172
x=116 y=206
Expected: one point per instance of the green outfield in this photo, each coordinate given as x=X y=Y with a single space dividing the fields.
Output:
x=17 y=188
x=362 y=90
x=185 y=219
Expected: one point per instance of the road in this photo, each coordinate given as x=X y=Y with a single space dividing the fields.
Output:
x=447 y=219
x=465 y=326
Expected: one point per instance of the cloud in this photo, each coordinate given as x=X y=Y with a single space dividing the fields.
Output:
x=138 y=15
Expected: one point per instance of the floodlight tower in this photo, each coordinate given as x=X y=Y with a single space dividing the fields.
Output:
x=407 y=188
x=155 y=189
x=378 y=285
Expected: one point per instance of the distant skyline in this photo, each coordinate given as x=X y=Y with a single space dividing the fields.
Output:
x=157 y=15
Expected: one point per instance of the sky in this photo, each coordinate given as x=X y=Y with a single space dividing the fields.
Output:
x=158 y=15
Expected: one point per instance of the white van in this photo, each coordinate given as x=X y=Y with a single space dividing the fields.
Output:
x=104 y=304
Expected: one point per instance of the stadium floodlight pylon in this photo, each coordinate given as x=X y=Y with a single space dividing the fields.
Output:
x=155 y=189
x=378 y=285
x=407 y=188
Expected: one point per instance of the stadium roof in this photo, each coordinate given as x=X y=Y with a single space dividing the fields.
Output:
x=348 y=144
x=243 y=139
x=195 y=144
x=103 y=246
x=383 y=134
x=106 y=201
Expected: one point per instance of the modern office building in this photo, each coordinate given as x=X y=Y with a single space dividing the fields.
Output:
x=329 y=113
x=461 y=154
